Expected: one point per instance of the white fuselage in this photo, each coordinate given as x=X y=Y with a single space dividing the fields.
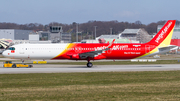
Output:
x=35 y=51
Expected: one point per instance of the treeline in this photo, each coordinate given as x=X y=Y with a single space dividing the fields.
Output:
x=102 y=27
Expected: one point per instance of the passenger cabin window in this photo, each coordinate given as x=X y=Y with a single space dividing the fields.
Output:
x=11 y=48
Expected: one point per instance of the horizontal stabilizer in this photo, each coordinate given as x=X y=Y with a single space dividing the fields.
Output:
x=167 y=49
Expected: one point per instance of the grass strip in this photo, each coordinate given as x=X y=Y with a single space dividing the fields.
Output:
x=141 y=86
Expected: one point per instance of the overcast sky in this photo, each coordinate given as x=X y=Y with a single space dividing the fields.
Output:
x=81 y=11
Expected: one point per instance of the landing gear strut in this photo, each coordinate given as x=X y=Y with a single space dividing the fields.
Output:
x=22 y=61
x=89 y=64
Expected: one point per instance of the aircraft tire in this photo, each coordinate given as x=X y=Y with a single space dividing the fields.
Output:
x=89 y=64
x=30 y=66
x=14 y=66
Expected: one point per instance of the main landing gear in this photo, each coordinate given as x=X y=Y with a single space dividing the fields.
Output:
x=89 y=64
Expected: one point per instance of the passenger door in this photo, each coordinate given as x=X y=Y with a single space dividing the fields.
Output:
x=147 y=48
x=21 y=51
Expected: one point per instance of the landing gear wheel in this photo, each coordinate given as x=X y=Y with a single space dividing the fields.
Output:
x=14 y=66
x=30 y=66
x=89 y=64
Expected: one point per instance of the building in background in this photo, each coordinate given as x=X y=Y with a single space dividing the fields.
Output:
x=109 y=38
x=55 y=35
x=136 y=35
x=44 y=35
x=89 y=41
x=128 y=36
x=66 y=37
x=15 y=34
x=33 y=37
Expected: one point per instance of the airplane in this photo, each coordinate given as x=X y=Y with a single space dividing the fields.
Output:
x=95 y=51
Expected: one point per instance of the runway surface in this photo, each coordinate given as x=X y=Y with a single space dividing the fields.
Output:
x=47 y=68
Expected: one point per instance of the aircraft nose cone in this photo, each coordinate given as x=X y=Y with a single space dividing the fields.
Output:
x=5 y=54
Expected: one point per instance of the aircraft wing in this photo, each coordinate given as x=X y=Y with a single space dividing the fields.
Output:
x=96 y=52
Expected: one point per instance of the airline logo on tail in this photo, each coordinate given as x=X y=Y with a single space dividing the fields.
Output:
x=161 y=35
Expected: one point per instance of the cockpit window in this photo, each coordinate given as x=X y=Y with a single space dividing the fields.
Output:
x=11 y=48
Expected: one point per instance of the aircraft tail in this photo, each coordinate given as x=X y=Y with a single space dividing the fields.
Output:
x=163 y=37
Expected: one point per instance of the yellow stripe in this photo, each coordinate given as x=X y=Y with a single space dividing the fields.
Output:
x=69 y=45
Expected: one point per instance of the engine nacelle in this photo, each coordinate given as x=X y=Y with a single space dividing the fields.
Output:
x=99 y=57
x=75 y=56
